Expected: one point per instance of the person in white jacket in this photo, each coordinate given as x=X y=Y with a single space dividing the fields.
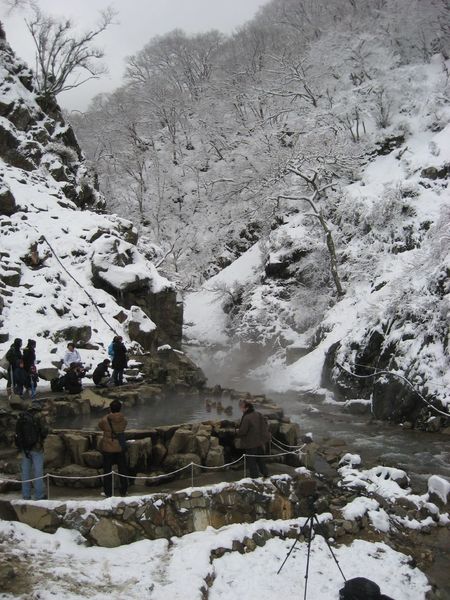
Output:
x=71 y=356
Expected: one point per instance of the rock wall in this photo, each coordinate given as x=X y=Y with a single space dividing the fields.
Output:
x=164 y=515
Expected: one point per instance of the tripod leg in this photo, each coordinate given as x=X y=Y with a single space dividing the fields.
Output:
x=288 y=555
x=310 y=519
x=320 y=529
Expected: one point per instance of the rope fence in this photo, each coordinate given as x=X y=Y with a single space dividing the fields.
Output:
x=191 y=465
x=378 y=372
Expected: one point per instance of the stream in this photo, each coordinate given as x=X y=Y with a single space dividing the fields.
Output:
x=420 y=454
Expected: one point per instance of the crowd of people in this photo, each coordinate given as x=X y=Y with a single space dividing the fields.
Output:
x=252 y=435
x=31 y=430
x=22 y=373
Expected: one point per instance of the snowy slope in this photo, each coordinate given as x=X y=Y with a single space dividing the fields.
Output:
x=44 y=193
x=390 y=227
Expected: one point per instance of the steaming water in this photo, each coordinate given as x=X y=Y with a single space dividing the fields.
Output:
x=419 y=453
x=165 y=411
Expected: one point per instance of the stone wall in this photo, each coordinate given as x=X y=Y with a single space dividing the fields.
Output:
x=116 y=522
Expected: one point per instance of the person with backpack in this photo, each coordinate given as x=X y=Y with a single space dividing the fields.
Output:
x=13 y=356
x=113 y=448
x=253 y=434
x=100 y=376
x=119 y=361
x=31 y=431
x=29 y=360
x=111 y=348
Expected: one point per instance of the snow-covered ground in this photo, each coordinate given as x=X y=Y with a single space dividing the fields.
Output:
x=62 y=566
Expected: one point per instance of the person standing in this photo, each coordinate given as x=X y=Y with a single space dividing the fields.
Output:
x=114 y=452
x=29 y=365
x=13 y=356
x=253 y=434
x=119 y=361
x=71 y=356
x=31 y=431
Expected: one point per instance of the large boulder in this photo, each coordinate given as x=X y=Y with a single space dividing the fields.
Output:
x=77 y=477
x=76 y=445
x=183 y=440
x=110 y=533
x=74 y=334
x=54 y=452
x=139 y=454
x=7 y=202
x=141 y=328
x=37 y=517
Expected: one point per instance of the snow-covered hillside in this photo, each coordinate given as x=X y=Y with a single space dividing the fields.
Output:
x=391 y=231
x=67 y=271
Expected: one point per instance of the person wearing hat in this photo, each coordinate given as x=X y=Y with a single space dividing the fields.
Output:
x=13 y=356
x=29 y=365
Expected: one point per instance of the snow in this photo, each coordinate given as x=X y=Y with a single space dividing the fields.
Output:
x=373 y=217
x=358 y=507
x=439 y=486
x=203 y=315
x=68 y=568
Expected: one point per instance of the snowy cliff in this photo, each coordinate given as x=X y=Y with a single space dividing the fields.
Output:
x=67 y=271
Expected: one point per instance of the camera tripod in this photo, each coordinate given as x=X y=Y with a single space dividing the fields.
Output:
x=309 y=526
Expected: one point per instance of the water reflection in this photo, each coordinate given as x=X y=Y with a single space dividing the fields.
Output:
x=172 y=410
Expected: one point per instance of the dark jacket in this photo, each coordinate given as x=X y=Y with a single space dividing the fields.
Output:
x=43 y=428
x=253 y=430
x=100 y=371
x=13 y=356
x=72 y=382
x=119 y=360
x=29 y=358
x=110 y=424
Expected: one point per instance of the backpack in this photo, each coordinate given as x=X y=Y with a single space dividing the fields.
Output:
x=57 y=384
x=111 y=350
x=28 y=432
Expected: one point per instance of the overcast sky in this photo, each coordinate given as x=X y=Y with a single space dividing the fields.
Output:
x=138 y=21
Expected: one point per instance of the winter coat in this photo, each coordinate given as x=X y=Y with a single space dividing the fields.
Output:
x=253 y=430
x=100 y=371
x=29 y=358
x=119 y=360
x=43 y=428
x=118 y=423
x=71 y=357
x=72 y=382
x=13 y=356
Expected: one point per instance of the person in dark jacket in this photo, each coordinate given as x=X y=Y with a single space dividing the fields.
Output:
x=100 y=376
x=254 y=435
x=72 y=379
x=13 y=356
x=119 y=361
x=29 y=364
x=113 y=453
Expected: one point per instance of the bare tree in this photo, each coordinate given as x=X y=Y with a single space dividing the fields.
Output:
x=61 y=54
x=318 y=192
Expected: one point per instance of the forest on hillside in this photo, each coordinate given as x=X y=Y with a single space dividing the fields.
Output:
x=209 y=132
